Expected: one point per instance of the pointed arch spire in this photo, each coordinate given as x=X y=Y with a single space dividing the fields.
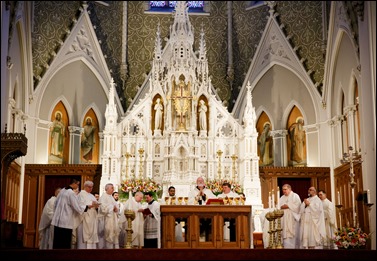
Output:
x=111 y=92
x=202 y=45
x=157 y=44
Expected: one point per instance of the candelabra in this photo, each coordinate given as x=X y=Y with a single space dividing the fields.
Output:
x=219 y=153
x=351 y=158
x=130 y=215
x=234 y=171
x=127 y=155
x=278 y=215
x=141 y=152
x=271 y=218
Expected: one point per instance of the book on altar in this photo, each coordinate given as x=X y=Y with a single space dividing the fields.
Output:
x=215 y=201
x=147 y=211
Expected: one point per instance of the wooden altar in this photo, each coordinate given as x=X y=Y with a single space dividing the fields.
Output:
x=213 y=226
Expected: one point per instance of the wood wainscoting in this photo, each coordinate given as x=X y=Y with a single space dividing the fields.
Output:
x=39 y=185
x=342 y=184
x=300 y=179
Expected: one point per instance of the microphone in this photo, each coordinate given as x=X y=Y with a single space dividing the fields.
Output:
x=309 y=195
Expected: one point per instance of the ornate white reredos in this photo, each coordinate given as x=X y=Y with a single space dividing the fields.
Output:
x=174 y=133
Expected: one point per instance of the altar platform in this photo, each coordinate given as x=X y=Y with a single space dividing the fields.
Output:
x=188 y=254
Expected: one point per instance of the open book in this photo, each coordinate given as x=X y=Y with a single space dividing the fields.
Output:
x=147 y=211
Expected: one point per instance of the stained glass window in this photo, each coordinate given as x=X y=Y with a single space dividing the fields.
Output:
x=168 y=6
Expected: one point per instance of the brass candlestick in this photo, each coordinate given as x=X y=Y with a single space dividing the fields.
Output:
x=141 y=152
x=219 y=153
x=278 y=214
x=369 y=205
x=130 y=215
x=352 y=158
x=127 y=155
x=339 y=207
x=243 y=200
x=234 y=171
x=271 y=218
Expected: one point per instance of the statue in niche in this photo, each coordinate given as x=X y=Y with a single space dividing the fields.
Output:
x=88 y=140
x=202 y=115
x=297 y=136
x=158 y=108
x=265 y=145
x=57 y=136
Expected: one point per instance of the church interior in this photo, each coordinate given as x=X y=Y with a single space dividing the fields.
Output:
x=262 y=93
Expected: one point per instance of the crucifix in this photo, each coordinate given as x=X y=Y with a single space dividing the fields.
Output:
x=182 y=102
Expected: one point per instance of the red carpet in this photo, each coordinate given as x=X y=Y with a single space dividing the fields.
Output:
x=188 y=254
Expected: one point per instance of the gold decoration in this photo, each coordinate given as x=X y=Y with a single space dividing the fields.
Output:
x=130 y=215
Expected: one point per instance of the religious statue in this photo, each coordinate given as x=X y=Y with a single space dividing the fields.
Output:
x=182 y=103
x=88 y=140
x=202 y=115
x=57 y=135
x=265 y=145
x=297 y=135
x=158 y=107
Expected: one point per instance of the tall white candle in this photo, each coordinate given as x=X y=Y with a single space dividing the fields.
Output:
x=339 y=203
x=278 y=198
x=273 y=199
x=368 y=196
x=269 y=200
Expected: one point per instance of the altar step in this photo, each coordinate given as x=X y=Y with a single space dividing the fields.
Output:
x=188 y=254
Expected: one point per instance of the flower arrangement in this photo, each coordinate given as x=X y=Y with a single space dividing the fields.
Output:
x=143 y=185
x=349 y=237
x=216 y=185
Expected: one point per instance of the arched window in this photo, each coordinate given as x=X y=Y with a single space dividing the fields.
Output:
x=168 y=6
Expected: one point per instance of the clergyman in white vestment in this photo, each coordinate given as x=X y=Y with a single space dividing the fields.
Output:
x=290 y=222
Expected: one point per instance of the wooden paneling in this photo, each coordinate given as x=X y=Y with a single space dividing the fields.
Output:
x=13 y=190
x=216 y=215
x=35 y=188
x=342 y=184
x=303 y=177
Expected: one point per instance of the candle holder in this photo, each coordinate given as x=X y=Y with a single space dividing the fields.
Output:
x=234 y=170
x=141 y=152
x=369 y=205
x=130 y=215
x=339 y=207
x=352 y=158
x=219 y=153
x=243 y=199
x=278 y=214
x=127 y=155
x=271 y=218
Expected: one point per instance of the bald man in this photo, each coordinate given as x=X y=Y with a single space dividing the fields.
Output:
x=313 y=232
x=200 y=194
